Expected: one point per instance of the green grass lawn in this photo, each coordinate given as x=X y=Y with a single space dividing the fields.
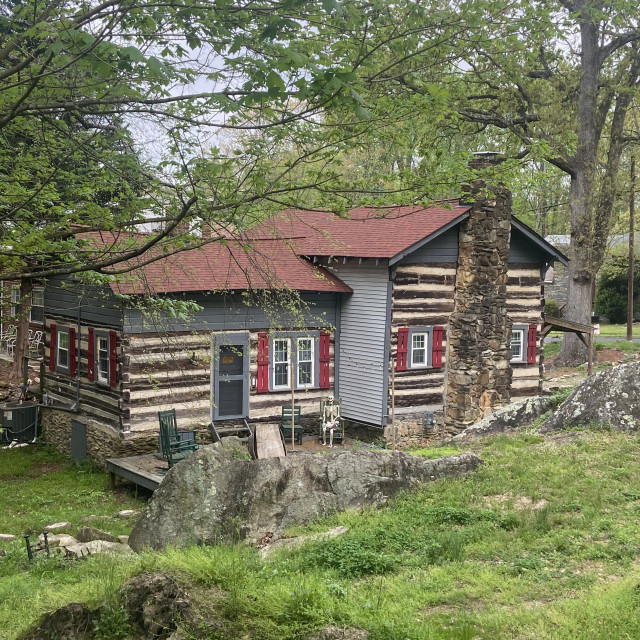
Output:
x=38 y=488
x=618 y=330
x=540 y=543
x=553 y=348
x=610 y=331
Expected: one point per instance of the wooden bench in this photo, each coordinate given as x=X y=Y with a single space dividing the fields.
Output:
x=175 y=447
x=285 y=423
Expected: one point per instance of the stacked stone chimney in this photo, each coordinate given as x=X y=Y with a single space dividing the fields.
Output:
x=479 y=333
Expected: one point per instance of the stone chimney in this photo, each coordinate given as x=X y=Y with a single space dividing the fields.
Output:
x=479 y=334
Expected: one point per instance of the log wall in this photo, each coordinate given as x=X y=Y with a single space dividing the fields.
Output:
x=159 y=373
x=97 y=401
x=422 y=297
x=525 y=305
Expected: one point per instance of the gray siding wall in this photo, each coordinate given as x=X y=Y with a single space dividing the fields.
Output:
x=231 y=313
x=443 y=248
x=524 y=251
x=99 y=303
x=364 y=342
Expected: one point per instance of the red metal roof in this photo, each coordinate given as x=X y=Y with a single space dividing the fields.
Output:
x=262 y=264
x=366 y=232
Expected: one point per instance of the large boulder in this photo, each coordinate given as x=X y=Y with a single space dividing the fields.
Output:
x=610 y=397
x=511 y=416
x=212 y=496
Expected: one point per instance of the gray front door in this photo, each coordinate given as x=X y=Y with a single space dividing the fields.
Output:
x=230 y=380
x=231 y=376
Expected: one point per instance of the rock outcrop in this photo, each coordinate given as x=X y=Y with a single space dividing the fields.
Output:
x=211 y=497
x=610 y=397
x=72 y=622
x=517 y=414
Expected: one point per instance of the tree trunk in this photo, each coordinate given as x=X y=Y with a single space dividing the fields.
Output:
x=630 y=278
x=581 y=265
x=22 y=338
x=581 y=277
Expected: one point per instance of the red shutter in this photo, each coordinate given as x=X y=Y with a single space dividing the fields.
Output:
x=73 y=361
x=91 y=356
x=52 y=347
x=263 y=363
x=403 y=340
x=532 y=343
x=436 y=350
x=113 y=358
x=325 y=340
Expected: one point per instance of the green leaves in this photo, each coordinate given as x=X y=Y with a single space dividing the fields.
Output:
x=275 y=84
x=131 y=53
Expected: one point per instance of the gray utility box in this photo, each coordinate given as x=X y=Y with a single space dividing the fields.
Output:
x=19 y=421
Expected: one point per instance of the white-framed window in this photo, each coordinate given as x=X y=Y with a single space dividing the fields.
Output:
x=419 y=350
x=281 y=363
x=102 y=359
x=517 y=345
x=15 y=300
x=62 y=350
x=36 y=315
x=305 y=360
x=294 y=357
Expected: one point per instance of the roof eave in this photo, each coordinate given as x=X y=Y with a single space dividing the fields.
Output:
x=432 y=236
x=540 y=241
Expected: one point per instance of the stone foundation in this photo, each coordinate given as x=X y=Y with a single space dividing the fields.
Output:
x=410 y=431
x=102 y=441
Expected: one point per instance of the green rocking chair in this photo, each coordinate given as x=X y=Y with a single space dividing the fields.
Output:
x=174 y=446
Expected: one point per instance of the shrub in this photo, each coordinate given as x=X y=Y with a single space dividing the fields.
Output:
x=551 y=309
x=611 y=295
x=113 y=623
x=350 y=558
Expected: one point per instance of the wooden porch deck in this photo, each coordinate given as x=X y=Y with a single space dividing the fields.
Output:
x=149 y=470
x=146 y=471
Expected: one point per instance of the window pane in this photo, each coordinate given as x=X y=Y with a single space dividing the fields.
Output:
x=63 y=349
x=15 y=299
x=304 y=349
x=37 y=314
x=281 y=362
x=37 y=298
x=37 y=306
x=305 y=361
x=304 y=373
x=281 y=375
x=103 y=359
x=280 y=350
x=516 y=345
x=419 y=349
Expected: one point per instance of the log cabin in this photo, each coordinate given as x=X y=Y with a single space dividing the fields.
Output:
x=357 y=306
